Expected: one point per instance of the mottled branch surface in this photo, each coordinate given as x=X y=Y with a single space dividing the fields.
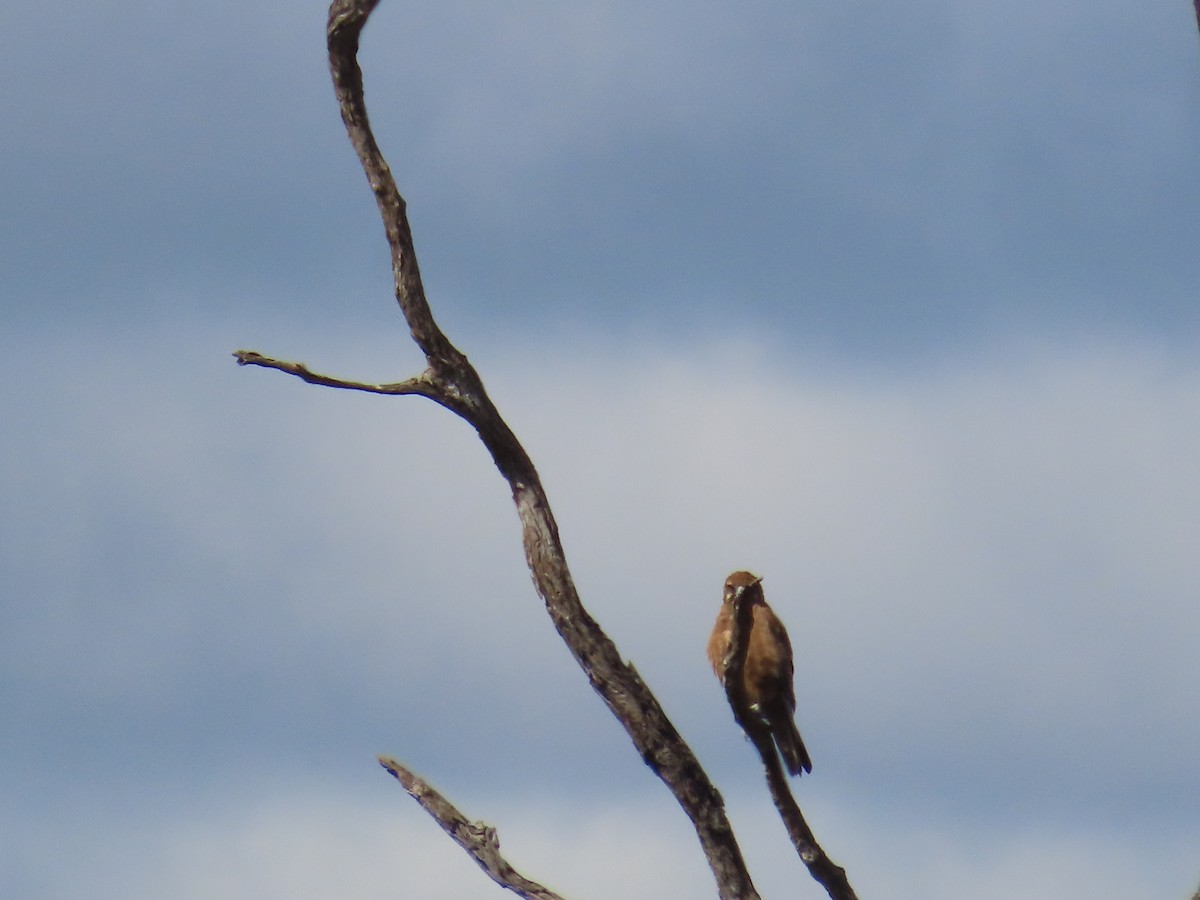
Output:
x=450 y=380
x=477 y=838
x=829 y=874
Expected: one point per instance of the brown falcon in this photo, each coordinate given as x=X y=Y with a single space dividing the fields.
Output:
x=767 y=674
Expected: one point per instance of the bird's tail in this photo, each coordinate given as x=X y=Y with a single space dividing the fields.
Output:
x=790 y=744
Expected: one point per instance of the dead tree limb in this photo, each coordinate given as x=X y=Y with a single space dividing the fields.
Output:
x=419 y=385
x=827 y=873
x=479 y=839
x=451 y=381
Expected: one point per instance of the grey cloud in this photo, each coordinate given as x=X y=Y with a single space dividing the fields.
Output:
x=920 y=177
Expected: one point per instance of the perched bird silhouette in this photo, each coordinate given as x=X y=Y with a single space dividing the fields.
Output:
x=768 y=671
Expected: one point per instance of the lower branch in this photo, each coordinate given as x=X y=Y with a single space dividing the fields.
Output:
x=824 y=870
x=478 y=839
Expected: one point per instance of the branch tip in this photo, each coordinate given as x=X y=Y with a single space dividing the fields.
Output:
x=479 y=839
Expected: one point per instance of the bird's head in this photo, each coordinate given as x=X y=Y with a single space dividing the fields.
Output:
x=741 y=582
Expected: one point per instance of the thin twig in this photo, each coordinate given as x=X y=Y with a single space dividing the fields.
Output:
x=825 y=871
x=420 y=385
x=478 y=838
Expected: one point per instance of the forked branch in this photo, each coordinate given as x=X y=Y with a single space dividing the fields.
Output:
x=451 y=381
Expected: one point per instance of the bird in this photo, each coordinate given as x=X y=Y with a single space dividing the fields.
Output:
x=768 y=671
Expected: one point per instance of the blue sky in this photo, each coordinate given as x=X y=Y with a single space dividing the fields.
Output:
x=895 y=305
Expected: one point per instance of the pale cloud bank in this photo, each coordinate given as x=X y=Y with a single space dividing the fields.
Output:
x=309 y=843
x=987 y=568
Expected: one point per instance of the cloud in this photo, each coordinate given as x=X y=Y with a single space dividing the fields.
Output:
x=970 y=556
x=305 y=840
x=984 y=566
x=896 y=182
x=981 y=541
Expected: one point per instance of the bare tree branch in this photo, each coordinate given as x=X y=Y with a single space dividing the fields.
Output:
x=453 y=382
x=827 y=873
x=477 y=838
x=419 y=385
